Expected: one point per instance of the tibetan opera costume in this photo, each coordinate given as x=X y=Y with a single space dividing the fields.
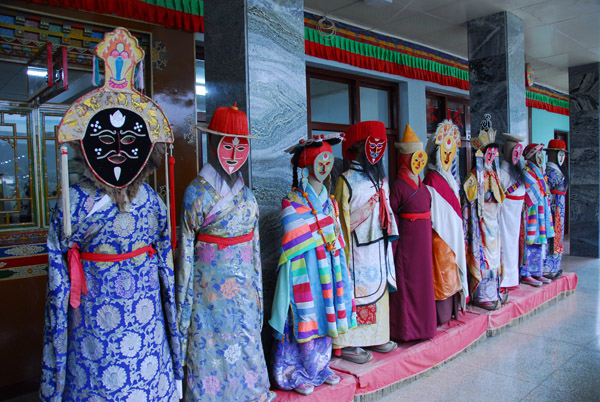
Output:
x=111 y=331
x=448 y=245
x=511 y=213
x=538 y=218
x=557 y=182
x=219 y=277
x=412 y=306
x=481 y=211
x=313 y=298
x=369 y=229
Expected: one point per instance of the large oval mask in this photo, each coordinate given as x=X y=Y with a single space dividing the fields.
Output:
x=116 y=146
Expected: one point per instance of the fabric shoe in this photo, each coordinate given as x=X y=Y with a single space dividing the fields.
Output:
x=542 y=279
x=487 y=305
x=356 y=355
x=528 y=280
x=385 y=348
x=305 y=389
x=333 y=379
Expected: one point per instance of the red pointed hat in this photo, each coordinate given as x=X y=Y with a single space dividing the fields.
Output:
x=228 y=122
x=360 y=131
x=557 y=145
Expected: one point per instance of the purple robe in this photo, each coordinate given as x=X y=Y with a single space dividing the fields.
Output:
x=412 y=306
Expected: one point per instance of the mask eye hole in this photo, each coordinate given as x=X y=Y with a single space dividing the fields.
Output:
x=228 y=147
x=107 y=139
x=241 y=149
x=127 y=140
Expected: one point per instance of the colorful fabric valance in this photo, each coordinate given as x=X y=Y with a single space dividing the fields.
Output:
x=182 y=14
x=544 y=98
x=377 y=52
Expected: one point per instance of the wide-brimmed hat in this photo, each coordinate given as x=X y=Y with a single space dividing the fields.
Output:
x=228 y=122
x=557 y=145
x=410 y=142
x=513 y=137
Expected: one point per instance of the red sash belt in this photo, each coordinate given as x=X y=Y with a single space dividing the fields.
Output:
x=74 y=257
x=224 y=242
x=558 y=192
x=414 y=216
x=515 y=197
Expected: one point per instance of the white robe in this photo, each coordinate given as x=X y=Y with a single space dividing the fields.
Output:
x=510 y=226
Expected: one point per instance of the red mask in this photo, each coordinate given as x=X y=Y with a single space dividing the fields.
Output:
x=516 y=153
x=233 y=152
x=375 y=149
x=490 y=156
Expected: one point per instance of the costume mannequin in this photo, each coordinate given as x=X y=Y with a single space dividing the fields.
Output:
x=481 y=210
x=306 y=312
x=362 y=192
x=558 y=184
x=511 y=213
x=449 y=262
x=111 y=330
x=538 y=217
x=219 y=277
x=412 y=306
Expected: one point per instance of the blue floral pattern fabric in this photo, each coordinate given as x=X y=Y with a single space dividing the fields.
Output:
x=558 y=187
x=219 y=298
x=121 y=343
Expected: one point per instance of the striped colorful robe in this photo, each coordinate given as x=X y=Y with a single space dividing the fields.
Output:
x=538 y=221
x=308 y=273
x=313 y=298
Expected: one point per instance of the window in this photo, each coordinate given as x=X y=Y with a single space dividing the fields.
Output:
x=441 y=107
x=337 y=100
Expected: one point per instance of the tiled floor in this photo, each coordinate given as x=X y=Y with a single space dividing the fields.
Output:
x=552 y=356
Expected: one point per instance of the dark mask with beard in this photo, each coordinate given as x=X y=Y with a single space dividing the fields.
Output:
x=116 y=146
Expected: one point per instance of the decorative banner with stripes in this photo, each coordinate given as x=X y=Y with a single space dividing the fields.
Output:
x=372 y=51
x=548 y=99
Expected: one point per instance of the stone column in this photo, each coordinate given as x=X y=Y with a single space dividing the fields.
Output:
x=497 y=73
x=584 y=130
x=254 y=52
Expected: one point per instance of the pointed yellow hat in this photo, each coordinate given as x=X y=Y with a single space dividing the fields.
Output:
x=410 y=142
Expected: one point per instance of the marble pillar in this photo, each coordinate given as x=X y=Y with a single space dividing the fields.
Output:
x=497 y=73
x=584 y=142
x=254 y=52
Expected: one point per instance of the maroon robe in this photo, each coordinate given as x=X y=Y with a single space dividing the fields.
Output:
x=412 y=306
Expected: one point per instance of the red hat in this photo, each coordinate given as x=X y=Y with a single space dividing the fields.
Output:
x=532 y=149
x=308 y=154
x=228 y=122
x=359 y=132
x=557 y=145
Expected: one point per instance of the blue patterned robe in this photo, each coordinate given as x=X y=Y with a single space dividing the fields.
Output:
x=121 y=343
x=219 y=295
x=558 y=187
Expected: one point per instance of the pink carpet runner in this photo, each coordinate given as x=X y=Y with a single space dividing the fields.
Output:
x=412 y=358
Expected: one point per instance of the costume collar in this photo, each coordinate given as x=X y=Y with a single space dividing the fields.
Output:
x=216 y=180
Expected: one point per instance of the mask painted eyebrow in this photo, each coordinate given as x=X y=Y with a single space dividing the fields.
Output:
x=105 y=131
x=133 y=133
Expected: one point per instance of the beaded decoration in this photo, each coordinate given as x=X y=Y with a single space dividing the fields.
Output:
x=333 y=205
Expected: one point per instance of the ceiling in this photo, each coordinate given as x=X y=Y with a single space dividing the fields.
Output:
x=558 y=33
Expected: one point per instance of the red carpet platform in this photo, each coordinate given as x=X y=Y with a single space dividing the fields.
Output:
x=343 y=392
x=525 y=300
x=412 y=358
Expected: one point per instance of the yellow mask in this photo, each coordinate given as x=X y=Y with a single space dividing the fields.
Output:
x=447 y=137
x=418 y=162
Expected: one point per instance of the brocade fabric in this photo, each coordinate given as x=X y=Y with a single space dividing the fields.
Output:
x=121 y=343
